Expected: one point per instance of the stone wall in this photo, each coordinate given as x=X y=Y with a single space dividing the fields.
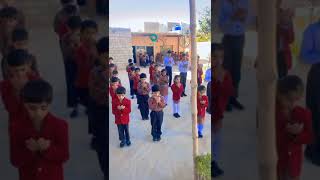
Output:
x=120 y=44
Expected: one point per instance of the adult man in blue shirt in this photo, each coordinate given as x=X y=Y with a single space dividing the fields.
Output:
x=232 y=21
x=310 y=54
x=183 y=68
x=168 y=63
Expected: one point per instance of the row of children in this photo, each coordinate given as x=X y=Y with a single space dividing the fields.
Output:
x=293 y=122
x=37 y=149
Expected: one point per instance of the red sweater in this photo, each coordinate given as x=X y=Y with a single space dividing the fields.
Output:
x=285 y=37
x=121 y=116
x=176 y=92
x=48 y=164
x=290 y=147
x=85 y=62
x=202 y=107
x=221 y=92
x=136 y=79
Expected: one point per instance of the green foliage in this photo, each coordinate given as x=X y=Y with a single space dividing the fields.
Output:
x=203 y=165
x=204 y=31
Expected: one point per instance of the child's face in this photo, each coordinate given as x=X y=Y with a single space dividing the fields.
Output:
x=290 y=100
x=156 y=94
x=89 y=34
x=37 y=111
x=202 y=92
x=177 y=80
x=115 y=85
x=19 y=72
x=21 y=44
x=143 y=80
x=115 y=75
x=110 y=61
x=217 y=58
x=121 y=96
x=137 y=71
x=164 y=73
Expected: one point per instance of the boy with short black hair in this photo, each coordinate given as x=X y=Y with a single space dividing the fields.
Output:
x=143 y=91
x=121 y=108
x=41 y=137
x=157 y=104
x=86 y=55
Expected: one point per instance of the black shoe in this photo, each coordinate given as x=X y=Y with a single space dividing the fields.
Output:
x=215 y=170
x=132 y=97
x=200 y=135
x=122 y=144
x=184 y=94
x=128 y=143
x=178 y=115
x=154 y=139
x=237 y=105
x=229 y=107
x=74 y=113
x=175 y=115
x=159 y=139
x=181 y=95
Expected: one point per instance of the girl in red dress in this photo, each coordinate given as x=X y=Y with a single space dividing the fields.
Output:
x=177 y=89
x=202 y=104
x=293 y=128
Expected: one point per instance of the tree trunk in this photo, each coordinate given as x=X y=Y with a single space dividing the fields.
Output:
x=266 y=79
x=194 y=82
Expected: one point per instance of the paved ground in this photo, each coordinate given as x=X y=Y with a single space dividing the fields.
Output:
x=83 y=164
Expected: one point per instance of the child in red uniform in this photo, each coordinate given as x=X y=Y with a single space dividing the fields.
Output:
x=156 y=104
x=163 y=83
x=156 y=74
x=202 y=104
x=293 y=128
x=222 y=90
x=86 y=55
x=115 y=73
x=40 y=144
x=18 y=76
x=177 y=89
x=143 y=91
x=151 y=72
x=60 y=21
x=136 y=79
x=121 y=108
x=113 y=87
x=131 y=79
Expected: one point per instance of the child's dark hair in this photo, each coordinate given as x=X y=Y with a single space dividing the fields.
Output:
x=163 y=70
x=217 y=47
x=137 y=69
x=133 y=68
x=18 y=57
x=289 y=84
x=176 y=77
x=155 y=88
x=86 y=24
x=19 y=34
x=115 y=79
x=74 y=22
x=9 y=13
x=70 y=10
x=64 y=2
x=201 y=88
x=129 y=61
x=121 y=90
x=37 y=91
x=110 y=58
x=114 y=72
x=102 y=45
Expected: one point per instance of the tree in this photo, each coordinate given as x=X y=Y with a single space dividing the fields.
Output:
x=204 y=31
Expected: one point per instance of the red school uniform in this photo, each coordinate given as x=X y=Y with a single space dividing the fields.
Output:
x=176 y=92
x=113 y=93
x=202 y=107
x=136 y=79
x=221 y=92
x=11 y=101
x=151 y=72
x=40 y=165
x=121 y=116
x=85 y=62
x=290 y=147
x=285 y=37
x=200 y=73
x=128 y=68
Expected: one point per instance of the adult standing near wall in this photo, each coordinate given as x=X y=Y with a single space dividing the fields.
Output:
x=168 y=63
x=310 y=54
x=232 y=21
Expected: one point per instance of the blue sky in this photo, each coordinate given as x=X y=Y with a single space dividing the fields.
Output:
x=132 y=13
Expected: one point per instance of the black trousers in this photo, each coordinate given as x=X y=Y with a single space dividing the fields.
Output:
x=131 y=87
x=156 y=123
x=70 y=73
x=233 y=52
x=169 y=73
x=313 y=103
x=209 y=109
x=102 y=137
x=183 y=80
x=281 y=65
x=83 y=96
x=123 y=130
x=144 y=106
x=97 y=117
